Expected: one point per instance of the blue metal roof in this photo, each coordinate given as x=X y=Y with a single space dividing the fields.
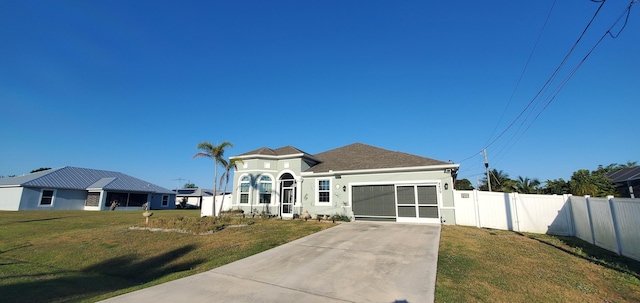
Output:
x=83 y=178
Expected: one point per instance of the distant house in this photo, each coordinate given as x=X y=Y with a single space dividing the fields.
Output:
x=74 y=188
x=192 y=197
x=627 y=181
x=358 y=180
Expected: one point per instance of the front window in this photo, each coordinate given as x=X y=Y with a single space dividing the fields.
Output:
x=165 y=200
x=47 y=197
x=265 y=189
x=244 y=190
x=324 y=191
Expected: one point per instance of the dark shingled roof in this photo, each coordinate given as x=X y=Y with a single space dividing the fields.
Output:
x=352 y=157
x=361 y=156
x=282 y=151
x=624 y=175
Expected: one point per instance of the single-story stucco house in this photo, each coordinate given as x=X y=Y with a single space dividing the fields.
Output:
x=192 y=197
x=360 y=181
x=74 y=188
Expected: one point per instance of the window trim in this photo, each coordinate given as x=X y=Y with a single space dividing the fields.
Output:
x=53 y=197
x=240 y=192
x=318 y=191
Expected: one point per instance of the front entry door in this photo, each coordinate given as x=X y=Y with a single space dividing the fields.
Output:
x=288 y=200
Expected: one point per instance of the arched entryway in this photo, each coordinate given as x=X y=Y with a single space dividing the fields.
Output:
x=288 y=194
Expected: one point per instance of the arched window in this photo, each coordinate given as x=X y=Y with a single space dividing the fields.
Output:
x=245 y=184
x=266 y=185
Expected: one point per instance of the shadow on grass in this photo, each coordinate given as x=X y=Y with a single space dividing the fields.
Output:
x=593 y=254
x=34 y=220
x=105 y=277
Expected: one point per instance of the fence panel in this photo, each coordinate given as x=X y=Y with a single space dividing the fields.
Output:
x=495 y=210
x=627 y=215
x=581 y=222
x=602 y=222
x=545 y=214
x=465 y=203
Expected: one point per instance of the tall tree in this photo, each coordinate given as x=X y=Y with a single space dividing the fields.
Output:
x=499 y=181
x=525 y=185
x=189 y=185
x=463 y=184
x=595 y=183
x=232 y=164
x=216 y=153
x=556 y=187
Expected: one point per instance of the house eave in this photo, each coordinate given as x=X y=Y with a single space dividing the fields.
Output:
x=382 y=170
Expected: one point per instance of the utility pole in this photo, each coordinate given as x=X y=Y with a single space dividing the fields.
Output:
x=486 y=166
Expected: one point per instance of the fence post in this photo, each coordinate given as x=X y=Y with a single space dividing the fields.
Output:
x=515 y=209
x=570 y=220
x=593 y=235
x=614 y=220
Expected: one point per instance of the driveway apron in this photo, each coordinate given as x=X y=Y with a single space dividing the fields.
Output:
x=352 y=262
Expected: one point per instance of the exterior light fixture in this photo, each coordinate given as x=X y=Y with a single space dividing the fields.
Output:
x=446 y=186
x=344 y=188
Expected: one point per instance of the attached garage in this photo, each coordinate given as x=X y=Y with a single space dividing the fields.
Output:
x=417 y=203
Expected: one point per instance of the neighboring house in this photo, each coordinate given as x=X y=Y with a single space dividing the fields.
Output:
x=627 y=181
x=358 y=180
x=192 y=197
x=74 y=188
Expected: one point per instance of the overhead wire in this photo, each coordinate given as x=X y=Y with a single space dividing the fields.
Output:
x=524 y=69
x=550 y=79
x=538 y=107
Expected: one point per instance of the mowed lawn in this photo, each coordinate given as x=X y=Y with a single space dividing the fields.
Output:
x=483 y=265
x=78 y=256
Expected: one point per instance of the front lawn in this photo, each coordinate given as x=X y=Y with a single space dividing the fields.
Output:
x=484 y=265
x=78 y=256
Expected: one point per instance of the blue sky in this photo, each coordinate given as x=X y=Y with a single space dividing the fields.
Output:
x=134 y=86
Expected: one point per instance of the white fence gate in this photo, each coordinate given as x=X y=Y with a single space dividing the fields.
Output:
x=611 y=223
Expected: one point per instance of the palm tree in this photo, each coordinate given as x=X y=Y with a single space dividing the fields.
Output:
x=499 y=181
x=216 y=153
x=232 y=164
x=526 y=185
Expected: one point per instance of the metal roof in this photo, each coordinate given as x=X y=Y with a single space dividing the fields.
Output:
x=83 y=178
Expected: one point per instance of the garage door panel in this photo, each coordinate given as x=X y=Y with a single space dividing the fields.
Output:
x=407 y=211
x=374 y=200
x=427 y=195
x=428 y=211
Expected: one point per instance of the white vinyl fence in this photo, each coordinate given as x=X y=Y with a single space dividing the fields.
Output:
x=611 y=223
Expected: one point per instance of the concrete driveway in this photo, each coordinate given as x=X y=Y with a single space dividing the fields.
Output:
x=352 y=262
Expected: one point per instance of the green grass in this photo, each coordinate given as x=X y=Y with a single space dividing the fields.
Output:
x=483 y=265
x=76 y=256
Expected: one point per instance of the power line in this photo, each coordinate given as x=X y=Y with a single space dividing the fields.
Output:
x=550 y=79
x=524 y=69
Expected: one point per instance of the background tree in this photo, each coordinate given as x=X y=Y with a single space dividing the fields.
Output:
x=216 y=153
x=556 y=187
x=525 y=185
x=499 y=182
x=596 y=183
x=190 y=185
x=40 y=169
x=463 y=184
